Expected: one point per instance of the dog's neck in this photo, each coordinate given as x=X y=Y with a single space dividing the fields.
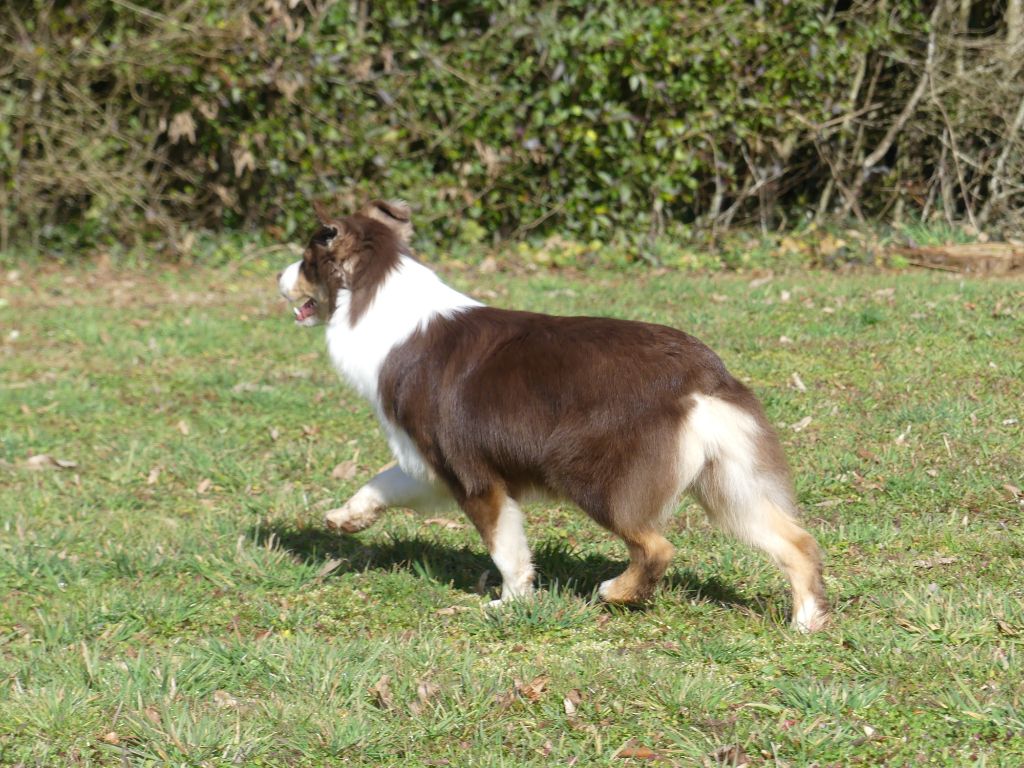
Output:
x=410 y=296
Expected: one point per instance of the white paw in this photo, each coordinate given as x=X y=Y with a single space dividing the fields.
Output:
x=809 y=617
x=522 y=591
x=355 y=516
x=605 y=589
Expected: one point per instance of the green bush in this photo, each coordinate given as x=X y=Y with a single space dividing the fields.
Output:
x=499 y=118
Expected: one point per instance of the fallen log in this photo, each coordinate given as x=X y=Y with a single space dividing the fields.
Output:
x=968 y=258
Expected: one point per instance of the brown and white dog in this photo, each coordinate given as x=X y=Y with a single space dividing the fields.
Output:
x=485 y=406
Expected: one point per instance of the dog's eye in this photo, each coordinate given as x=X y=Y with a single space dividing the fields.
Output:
x=324 y=235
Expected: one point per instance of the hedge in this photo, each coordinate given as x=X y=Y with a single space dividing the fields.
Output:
x=138 y=121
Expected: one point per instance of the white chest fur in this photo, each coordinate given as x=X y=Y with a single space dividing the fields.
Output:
x=410 y=297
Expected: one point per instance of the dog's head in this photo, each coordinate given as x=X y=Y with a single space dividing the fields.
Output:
x=352 y=253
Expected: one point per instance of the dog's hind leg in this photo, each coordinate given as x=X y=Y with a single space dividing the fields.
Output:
x=759 y=510
x=733 y=464
x=390 y=488
x=635 y=507
x=650 y=555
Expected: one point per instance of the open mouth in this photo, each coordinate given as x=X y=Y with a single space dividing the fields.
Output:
x=306 y=311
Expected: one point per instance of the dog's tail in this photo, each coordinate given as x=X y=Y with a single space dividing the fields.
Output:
x=732 y=462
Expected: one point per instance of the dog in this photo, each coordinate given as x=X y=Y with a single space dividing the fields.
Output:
x=484 y=407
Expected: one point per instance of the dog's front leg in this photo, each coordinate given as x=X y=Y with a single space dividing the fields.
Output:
x=499 y=520
x=390 y=488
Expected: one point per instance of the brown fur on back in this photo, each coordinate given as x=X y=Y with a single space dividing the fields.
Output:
x=557 y=404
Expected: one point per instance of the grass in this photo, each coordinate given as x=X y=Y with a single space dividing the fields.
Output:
x=174 y=599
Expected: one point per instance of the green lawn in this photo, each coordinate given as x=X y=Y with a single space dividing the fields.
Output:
x=173 y=598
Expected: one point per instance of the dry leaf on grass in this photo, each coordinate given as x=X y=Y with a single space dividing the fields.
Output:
x=183 y=427
x=828 y=503
x=425 y=691
x=345 y=471
x=801 y=425
x=632 y=750
x=451 y=610
x=444 y=522
x=1007 y=629
x=931 y=562
x=381 y=692
x=224 y=699
x=571 y=702
x=908 y=626
x=110 y=737
x=153 y=476
x=531 y=691
x=327 y=567
x=506 y=699
x=798 y=383
x=534 y=689
x=44 y=461
x=731 y=755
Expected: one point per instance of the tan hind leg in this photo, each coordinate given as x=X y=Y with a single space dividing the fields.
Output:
x=733 y=463
x=764 y=524
x=650 y=555
x=797 y=554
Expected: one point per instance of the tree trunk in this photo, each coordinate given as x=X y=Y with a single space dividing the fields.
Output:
x=1014 y=25
x=962 y=28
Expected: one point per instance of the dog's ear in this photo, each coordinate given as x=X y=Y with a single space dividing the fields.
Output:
x=333 y=254
x=324 y=235
x=323 y=215
x=395 y=214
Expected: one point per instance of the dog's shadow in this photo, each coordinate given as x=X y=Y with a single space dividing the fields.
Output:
x=463 y=567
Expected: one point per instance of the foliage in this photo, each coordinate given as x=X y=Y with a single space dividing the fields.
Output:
x=497 y=118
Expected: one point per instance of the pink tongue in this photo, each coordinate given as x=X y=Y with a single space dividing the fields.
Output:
x=306 y=310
